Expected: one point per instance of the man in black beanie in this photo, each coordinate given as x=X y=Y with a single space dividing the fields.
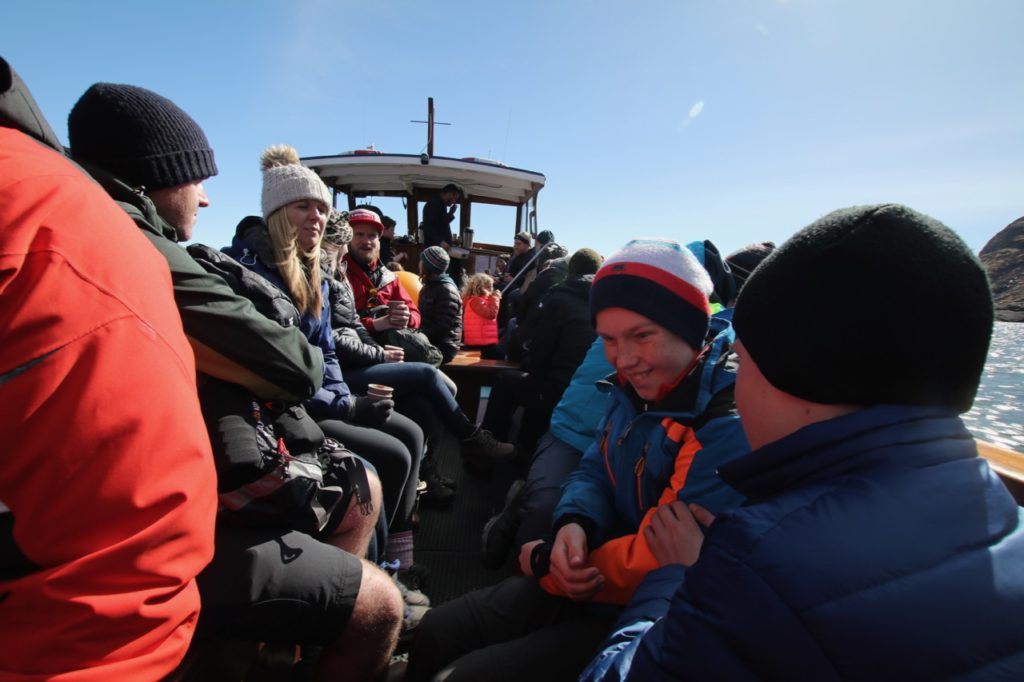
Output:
x=151 y=158
x=873 y=532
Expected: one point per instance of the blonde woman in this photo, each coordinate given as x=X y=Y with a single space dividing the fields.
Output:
x=284 y=246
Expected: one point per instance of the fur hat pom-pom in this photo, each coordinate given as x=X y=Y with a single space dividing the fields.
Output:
x=278 y=155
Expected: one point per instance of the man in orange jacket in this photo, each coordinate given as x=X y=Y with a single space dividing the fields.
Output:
x=107 y=484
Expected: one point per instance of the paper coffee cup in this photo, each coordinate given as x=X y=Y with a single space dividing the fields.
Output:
x=377 y=392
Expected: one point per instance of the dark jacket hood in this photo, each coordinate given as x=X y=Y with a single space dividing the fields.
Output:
x=252 y=234
x=18 y=109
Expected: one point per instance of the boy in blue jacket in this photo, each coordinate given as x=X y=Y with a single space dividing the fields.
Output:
x=874 y=543
x=671 y=423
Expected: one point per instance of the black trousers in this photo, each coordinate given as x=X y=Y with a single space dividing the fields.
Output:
x=513 y=388
x=394 y=449
x=511 y=631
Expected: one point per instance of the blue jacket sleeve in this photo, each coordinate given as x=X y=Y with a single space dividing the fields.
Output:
x=650 y=603
x=333 y=400
x=588 y=492
x=724 y=622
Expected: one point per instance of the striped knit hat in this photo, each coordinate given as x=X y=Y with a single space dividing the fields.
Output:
x=661 y=280
x=286 y=180
x=365 y=215
x=435 y=259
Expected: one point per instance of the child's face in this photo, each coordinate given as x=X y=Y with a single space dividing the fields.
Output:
x=643 y=353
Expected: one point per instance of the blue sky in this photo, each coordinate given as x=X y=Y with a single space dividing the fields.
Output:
x=736 y=121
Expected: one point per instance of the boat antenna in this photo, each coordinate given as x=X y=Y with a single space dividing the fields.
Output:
x=430 y=125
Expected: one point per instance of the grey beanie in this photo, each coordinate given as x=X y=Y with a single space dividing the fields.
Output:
x=286 y=180
x=139 y=136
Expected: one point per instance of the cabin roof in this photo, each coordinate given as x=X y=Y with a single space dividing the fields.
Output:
x=406 y=175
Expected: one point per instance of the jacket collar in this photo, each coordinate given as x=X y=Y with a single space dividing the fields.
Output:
x=136 y=204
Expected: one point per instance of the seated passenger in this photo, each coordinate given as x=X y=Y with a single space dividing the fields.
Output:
x=559 y=340
x=743 y=261
x=387 y=253
x=440 y=304
x=283 y=246
x=670 y=424
x=107 y=486
x=530 y=503
x=573 y=427
x=873 y=533
x=152 y=158
x=420 y=390
x=553 y=270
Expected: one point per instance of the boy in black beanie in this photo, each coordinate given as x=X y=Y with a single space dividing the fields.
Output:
x=870 y=519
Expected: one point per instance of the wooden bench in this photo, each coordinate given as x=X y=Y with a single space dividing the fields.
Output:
x=471 y=373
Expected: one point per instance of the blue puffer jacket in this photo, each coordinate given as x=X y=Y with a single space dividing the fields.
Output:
x=874 y=546
x=576 y=418
x=651 y=455
x=251 y=247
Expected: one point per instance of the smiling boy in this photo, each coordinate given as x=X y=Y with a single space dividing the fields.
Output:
x=670 y=424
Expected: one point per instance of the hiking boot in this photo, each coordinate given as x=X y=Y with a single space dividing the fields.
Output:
x=428 y=469
x=483 y=445
x=499 y=534
x=437 y=495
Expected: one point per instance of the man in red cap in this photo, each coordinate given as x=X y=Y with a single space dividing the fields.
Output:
x=381 y=301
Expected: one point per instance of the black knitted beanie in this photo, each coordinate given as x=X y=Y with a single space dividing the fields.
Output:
x=870 y=305
x=139 y=136
x=584 y=262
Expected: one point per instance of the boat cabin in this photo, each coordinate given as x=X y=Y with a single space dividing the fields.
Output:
x=415 y=179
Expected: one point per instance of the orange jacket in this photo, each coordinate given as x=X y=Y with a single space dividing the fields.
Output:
x=107 y=485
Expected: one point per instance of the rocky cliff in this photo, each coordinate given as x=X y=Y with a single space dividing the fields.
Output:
x=1003 y=257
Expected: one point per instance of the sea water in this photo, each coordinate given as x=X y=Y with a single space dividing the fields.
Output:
x=998 y=412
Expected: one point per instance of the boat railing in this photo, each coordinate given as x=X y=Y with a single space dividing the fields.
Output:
x=1008 y=464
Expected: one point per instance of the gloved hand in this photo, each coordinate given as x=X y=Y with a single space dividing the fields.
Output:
x=366 y=412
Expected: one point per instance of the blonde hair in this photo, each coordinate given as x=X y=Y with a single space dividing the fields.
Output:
x=479 y=284
x=299 y=269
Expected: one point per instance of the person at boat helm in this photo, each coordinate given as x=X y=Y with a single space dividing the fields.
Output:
x=107 y=486
x=670 y=424
x=438 y=214
x=151 y=157
x=875 y=543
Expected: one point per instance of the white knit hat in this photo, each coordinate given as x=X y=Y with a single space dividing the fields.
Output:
x=286 y=180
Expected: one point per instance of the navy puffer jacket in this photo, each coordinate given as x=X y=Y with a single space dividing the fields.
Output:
x=874 y=546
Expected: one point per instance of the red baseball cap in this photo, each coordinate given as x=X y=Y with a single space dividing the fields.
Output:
x=362 y=215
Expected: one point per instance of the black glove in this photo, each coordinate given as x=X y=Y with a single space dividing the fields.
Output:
x=366 y=412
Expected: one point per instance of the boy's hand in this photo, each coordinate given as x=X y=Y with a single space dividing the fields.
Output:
x=569 y=567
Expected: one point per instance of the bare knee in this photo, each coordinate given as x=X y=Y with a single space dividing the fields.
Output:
x=378 y=611
x=368 y=641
